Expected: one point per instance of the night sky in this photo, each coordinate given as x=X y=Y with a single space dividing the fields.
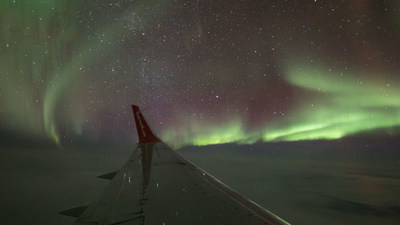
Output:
x=203 y=72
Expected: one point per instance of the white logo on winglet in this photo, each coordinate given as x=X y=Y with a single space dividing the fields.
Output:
x=140 y=123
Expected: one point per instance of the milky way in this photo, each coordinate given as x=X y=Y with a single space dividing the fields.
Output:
x=203 y=72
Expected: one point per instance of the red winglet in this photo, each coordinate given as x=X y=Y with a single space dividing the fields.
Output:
x=144 y=132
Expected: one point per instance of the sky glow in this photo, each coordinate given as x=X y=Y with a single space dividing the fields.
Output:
x=202 y=72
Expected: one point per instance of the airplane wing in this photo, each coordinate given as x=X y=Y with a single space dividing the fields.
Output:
x=157 y=186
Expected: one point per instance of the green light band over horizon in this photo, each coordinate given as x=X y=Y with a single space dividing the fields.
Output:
x=340 y=105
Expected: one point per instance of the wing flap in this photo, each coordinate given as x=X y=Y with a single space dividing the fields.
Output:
x=108 y=176
x=74 y=212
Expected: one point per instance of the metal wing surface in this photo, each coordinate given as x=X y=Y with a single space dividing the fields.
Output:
x=158 y=186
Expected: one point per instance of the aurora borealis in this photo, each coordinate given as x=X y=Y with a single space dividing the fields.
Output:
x=203 y=72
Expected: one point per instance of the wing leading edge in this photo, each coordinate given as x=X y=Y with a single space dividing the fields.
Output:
x=159 y=186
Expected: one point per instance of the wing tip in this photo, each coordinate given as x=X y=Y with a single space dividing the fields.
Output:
x=135 y=107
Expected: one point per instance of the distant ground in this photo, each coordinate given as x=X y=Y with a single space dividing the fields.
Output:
x=351 y=181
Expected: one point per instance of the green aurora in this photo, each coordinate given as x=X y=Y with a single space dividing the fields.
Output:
x=56 y=79
x=341 y=105
x=45 y=59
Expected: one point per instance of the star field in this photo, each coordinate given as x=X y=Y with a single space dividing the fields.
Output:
x=203 y=72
